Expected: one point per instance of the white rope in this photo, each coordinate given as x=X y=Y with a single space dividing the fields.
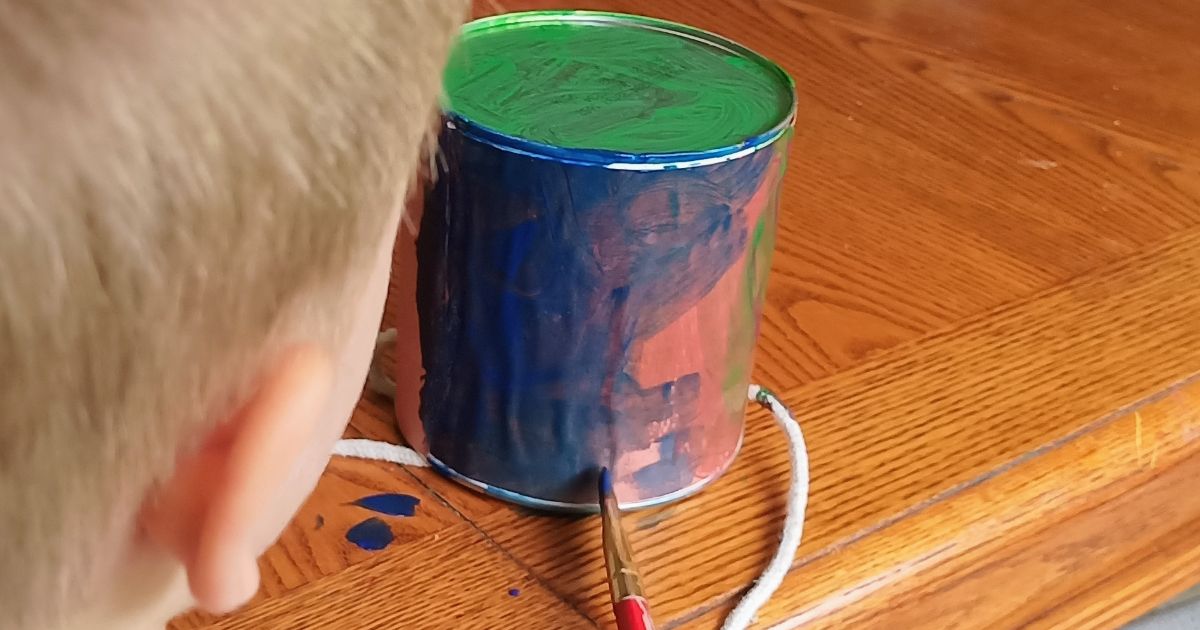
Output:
x=793 y=524
x=379 y=451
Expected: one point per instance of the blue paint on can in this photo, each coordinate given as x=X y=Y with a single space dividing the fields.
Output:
x=536 y=281
x=669 y=470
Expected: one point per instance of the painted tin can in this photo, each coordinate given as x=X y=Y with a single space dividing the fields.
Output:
x=592 y=257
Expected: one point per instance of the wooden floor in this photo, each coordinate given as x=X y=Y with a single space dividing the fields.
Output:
x=985 y=308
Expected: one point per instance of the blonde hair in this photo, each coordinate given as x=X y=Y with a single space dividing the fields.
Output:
x=183 y=185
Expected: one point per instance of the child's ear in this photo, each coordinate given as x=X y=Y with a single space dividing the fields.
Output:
x=223 y=506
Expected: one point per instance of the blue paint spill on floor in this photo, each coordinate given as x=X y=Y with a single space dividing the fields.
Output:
x=514 y=592
x=391 y=504
x=371 y=534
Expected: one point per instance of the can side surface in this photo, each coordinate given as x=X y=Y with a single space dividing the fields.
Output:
x=593 y=305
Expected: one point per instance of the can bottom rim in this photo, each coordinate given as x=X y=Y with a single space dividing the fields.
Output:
x=548 y=505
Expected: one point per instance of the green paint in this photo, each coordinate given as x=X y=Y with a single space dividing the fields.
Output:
x=585 y=80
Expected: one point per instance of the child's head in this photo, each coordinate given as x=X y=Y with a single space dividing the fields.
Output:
x=197 y=203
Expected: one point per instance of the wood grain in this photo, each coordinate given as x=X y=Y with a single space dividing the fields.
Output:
x=1134 y=61
x=315 y=546
x=408 y=588
x=1030 y=539
x=983 y=306
x=1027 y=581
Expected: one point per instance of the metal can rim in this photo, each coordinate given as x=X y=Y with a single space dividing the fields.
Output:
x=620 y=160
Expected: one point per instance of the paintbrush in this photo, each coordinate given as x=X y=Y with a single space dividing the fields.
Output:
x=624 y=580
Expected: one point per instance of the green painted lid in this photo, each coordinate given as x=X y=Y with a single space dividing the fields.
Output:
x=612 y=82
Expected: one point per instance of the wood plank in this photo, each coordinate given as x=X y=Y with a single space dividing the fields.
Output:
x=905 y=430
x=1089 y=533
x=1132 y=60
x=1138 y=586
x=1020 y=582
x=407 y=588
x=315 y=544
